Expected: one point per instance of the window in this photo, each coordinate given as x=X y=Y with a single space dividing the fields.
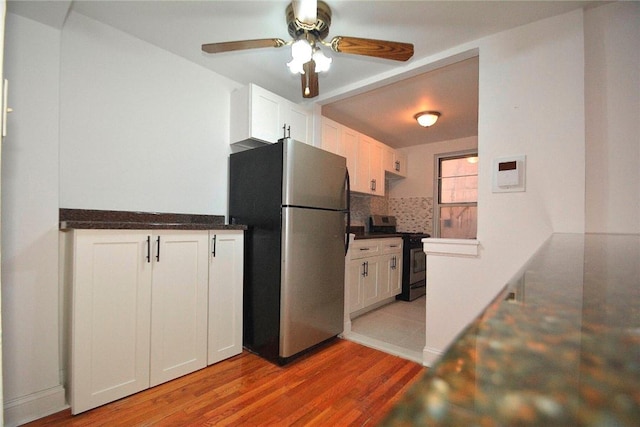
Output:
x=456 y=207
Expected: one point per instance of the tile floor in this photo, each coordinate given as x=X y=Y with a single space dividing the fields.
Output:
x=397 y=328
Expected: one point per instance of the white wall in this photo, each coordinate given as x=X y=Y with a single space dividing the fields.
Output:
x=612 y=90
x=30 y=222
x=140 y=128
x=102 y=121
x=421 y=163
x=3 y=12
x=531 y=102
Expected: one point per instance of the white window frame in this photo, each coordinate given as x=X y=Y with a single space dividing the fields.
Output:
x=436 y=186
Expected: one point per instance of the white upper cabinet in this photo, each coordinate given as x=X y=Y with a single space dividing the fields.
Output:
x=395 y=162
x=259 y=116
x=368 y=177
x=376 y=172
x=330 y=135
x=298 y=122
x=368 y=160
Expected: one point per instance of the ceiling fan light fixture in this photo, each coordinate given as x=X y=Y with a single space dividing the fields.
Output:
x=427 y=118
x=323 y=62
x=296 y=67
x=301 y=51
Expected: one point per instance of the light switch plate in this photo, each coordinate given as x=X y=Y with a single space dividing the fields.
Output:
x=509 y=174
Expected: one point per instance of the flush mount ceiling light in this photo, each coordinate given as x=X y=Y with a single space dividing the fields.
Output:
x=427 y=118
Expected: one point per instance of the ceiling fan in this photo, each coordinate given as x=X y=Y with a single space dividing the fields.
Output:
x=308 y=23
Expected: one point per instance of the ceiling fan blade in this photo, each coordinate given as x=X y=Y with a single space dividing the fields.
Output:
x=241 y=45
x=310 y=88
x=306 y=11
x=396 y=51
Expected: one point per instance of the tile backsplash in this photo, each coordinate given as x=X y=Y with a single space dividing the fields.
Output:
x=414 y=214
x=363 y=206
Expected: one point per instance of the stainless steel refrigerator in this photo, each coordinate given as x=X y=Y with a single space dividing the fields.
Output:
x=295 y=199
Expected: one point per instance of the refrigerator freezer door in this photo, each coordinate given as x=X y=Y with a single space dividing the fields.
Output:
x=313 y=177
x=312 y=297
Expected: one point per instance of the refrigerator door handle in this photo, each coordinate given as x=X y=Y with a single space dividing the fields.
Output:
x=348 y=203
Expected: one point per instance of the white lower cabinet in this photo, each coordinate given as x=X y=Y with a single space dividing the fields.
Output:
x=392 y=282
x=179 y=290
x=225 y=294
x=374 y=273
x=111 y=322
x=140 y=308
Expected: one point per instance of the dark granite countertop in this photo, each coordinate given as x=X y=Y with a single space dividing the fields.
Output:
x=360 y=234
x=376 y=236
x=559 y=347
x=103 y=219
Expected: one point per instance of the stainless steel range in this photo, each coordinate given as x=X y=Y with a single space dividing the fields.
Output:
x=414 y=260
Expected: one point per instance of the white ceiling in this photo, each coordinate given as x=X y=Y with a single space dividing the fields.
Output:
x=181 y=27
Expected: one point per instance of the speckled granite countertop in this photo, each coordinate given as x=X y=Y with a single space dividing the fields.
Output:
x=365 y=236
x=560 y=346
x=98 y=219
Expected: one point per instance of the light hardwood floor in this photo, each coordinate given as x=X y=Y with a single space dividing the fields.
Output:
x=343 y=383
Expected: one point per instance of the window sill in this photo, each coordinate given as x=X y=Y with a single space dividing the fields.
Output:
x=451 y=247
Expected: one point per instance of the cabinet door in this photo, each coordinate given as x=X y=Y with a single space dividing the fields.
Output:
x=388 y=158
x=371 y=281
x=384 y=284
x=400 y=164
x=226 y=256
x=266 y=117
x=376 y=171
x=111 y=288
x=179 y=307
x=395 y=277
x=297 y=120
x=330 y=135
x=348 y=147
x=355 y=277
x=394 y=162
x=362 y=182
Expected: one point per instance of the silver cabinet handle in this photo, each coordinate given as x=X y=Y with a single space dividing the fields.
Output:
x=148 y=249
x=213 y=246
x=158 y=249
x=397 y=166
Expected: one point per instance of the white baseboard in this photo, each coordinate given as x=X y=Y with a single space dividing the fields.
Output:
x=404 y=353
x=34 y=406
x=430 y=356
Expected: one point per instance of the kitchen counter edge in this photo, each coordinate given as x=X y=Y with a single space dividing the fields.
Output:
x=78 y=219
x=557 y=346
